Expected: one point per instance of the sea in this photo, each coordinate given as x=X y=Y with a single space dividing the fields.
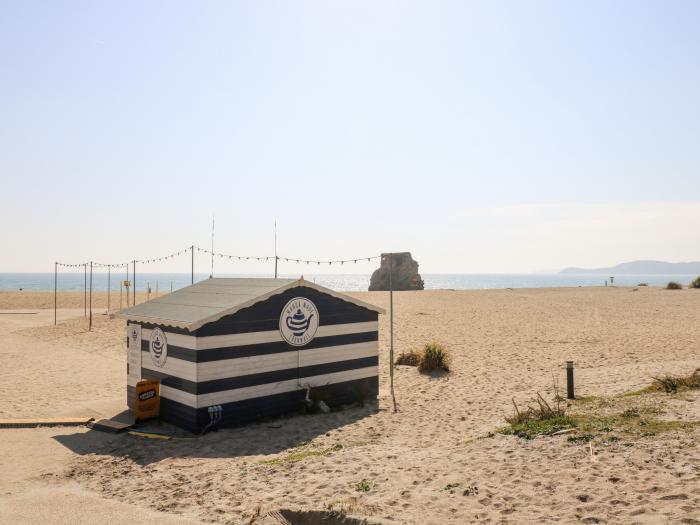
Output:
x=164 y=282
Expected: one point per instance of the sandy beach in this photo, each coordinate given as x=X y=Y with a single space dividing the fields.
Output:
x=440 y=459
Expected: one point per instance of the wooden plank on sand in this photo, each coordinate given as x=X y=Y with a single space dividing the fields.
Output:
x=44 y=422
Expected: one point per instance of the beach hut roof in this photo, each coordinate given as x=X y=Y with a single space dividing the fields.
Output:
x=210 y=300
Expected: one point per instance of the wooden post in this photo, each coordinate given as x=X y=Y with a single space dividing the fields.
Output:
x=55 y=290
x=570 y=380
x=90 y=322
x=109 y=282
x=192 y=250
x=156 y=287
x=85 y=291
x=391 y=329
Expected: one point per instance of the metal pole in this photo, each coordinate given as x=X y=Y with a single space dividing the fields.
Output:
x=55 y=290
x=109 y=282
x=276 y=258
x=570 y=380
x=192 y=250
x=85 y=291
x=134 y=284
x=90 y=323
x=126 y=285
x=391 y=329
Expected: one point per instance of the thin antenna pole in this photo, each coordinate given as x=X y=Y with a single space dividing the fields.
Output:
x=391 y=328
x=85 y=291
x=192 y=251
x=212 y=246
x=134 y=276
x=90 y=323
x=55 y=290
x=276 y=258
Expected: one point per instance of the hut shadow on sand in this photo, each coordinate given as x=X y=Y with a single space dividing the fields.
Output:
x=309 y=517
x=263 y=438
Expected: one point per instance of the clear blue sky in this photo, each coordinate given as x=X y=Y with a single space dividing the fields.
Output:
x=482 y=136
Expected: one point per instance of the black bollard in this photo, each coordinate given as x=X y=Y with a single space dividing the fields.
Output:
x=570 y=380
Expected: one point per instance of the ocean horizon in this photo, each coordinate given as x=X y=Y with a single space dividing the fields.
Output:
x=163 y=282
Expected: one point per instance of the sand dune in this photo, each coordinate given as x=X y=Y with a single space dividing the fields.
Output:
x=438 y=460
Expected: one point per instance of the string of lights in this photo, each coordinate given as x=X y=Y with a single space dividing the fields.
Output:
x=221 y=256
x=289 y=259
x=165 y=257
x=238 y=257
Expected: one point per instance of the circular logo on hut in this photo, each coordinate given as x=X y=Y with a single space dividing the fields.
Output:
x=134 y=335
x=299 y=321
x=159 y=347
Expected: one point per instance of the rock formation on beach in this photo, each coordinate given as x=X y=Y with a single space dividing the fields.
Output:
x=404 y=273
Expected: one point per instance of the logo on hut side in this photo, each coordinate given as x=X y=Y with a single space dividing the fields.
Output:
x=299 y=321
x=159 y=347
x=134 y=335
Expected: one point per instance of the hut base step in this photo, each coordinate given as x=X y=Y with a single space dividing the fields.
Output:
x=110 y=426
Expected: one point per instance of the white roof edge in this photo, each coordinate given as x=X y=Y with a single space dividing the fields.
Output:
x=230 y=311
x=154 y=320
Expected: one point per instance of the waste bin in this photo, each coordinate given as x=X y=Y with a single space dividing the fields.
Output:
x=147 y=400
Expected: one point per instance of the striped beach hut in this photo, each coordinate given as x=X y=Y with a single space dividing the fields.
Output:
x=229 y=351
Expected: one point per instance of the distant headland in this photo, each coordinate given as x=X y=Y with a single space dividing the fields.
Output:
x=641 y=268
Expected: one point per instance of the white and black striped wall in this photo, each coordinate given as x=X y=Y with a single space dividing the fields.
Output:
x=242 y=363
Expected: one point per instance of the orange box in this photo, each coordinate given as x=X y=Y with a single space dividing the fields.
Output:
x=147 y=399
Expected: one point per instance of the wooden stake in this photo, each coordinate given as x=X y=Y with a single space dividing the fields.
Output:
x=570 y=380
x=90 y=322
x=55 y=290
x=391 y=329
x=109 y=282
x=85 y=291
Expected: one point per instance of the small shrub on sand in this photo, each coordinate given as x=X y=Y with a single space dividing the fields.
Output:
x=623 y=419
x=363 y=486
x=580 y=438
x=674 y=286
x=434 y=357
x=411 y=358
x=672 y=384
x=695 y=283
x=642 y=284
x=541 y=420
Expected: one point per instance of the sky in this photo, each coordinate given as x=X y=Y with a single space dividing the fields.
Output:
x=483 y=137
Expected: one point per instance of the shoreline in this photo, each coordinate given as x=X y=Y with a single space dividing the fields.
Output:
x=340 y=282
